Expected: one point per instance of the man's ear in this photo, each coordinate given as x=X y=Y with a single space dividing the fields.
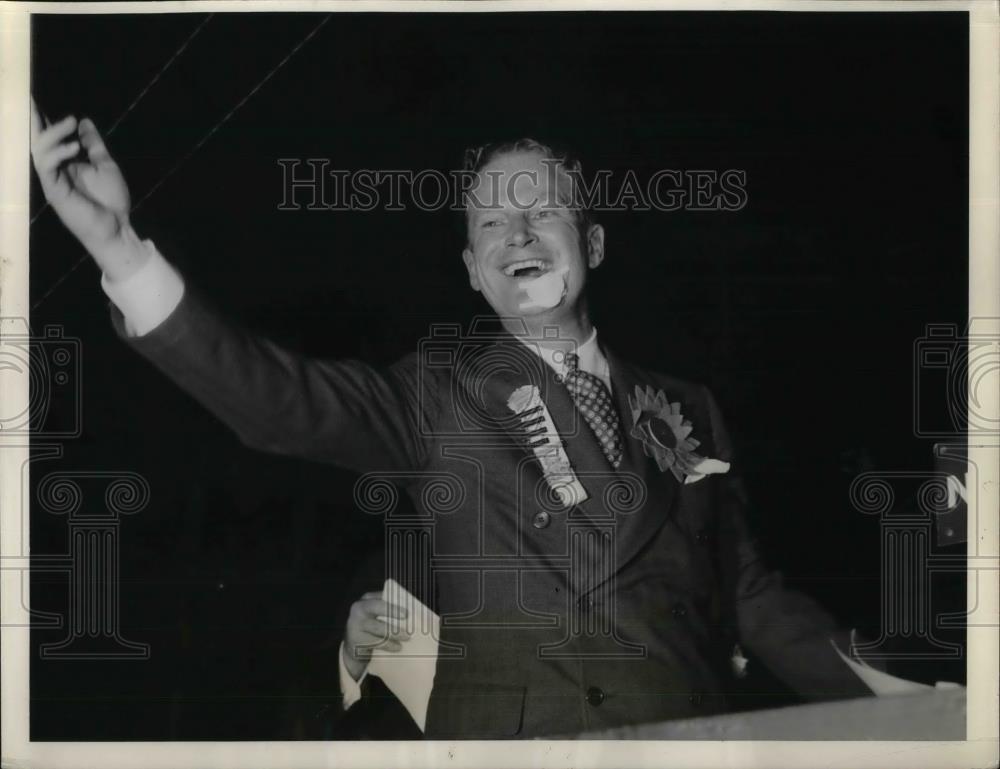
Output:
x=470 y=264
x=595 y=245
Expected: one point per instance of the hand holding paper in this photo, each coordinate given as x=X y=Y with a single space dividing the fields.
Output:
x=367 y=629
x=409 y=672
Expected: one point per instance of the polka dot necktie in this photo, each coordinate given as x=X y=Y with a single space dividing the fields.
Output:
x=593 y=400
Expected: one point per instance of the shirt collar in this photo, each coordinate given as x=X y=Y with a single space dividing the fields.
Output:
x=592 y=360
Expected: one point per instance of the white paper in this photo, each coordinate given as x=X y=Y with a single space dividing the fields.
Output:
x=545 y=291
x=705 y=468
x=885 y=685
x=409 y=673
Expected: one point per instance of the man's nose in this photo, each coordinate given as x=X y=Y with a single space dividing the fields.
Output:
x=519 y=233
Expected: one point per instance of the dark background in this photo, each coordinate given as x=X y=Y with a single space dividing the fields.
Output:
x=800 y=311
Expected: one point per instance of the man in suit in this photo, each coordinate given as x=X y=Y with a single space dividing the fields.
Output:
x=582 y=518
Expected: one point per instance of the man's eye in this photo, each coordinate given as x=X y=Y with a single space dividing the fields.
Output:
x=492 y=223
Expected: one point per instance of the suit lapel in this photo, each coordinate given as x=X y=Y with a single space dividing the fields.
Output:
x=495 y=370
x=636 y=529
x=500 y=367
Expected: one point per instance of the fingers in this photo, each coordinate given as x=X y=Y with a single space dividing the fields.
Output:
x=376 y=607
x=54 y=134
x=373 y=635
x=362 y=649
x=92 y=141
x=48 y=162
x=37 y=122
x=374 y=623
x=48 y=151
x=368 y=643
x=379 y=629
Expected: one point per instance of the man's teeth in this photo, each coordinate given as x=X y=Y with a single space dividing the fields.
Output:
x=528 y=264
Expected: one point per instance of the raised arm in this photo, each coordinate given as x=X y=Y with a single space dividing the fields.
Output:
x=342 y=412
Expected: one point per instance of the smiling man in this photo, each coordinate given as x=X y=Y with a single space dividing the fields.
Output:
x=530 y=245
x=591 y=563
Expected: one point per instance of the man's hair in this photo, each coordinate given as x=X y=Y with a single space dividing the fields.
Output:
x=477 y=158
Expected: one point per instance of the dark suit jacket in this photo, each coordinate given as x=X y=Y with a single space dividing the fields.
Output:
x=621 y=609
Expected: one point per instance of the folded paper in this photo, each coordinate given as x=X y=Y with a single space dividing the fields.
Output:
x=883 y=684
x=705 y=468
x=409 y=673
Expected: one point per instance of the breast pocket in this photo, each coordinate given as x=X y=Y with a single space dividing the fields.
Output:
x=697 y=510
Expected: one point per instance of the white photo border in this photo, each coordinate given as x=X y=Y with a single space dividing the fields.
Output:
x=980 y=747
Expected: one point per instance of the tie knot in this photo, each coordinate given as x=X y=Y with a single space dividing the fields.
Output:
x=572 y=361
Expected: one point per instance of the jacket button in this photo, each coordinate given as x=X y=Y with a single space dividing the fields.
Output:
x=595 y=696
x=679 y=610
x=541 y=520
x=695 y=698
x=702 y=537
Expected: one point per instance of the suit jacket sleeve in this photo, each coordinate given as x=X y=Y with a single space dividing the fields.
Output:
x=788 y=631
x=345 y=412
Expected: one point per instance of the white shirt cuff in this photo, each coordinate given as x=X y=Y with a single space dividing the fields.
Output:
x=350 y=688
x=148 y=296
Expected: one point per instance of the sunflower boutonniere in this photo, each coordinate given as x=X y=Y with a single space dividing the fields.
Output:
x=666 y=437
